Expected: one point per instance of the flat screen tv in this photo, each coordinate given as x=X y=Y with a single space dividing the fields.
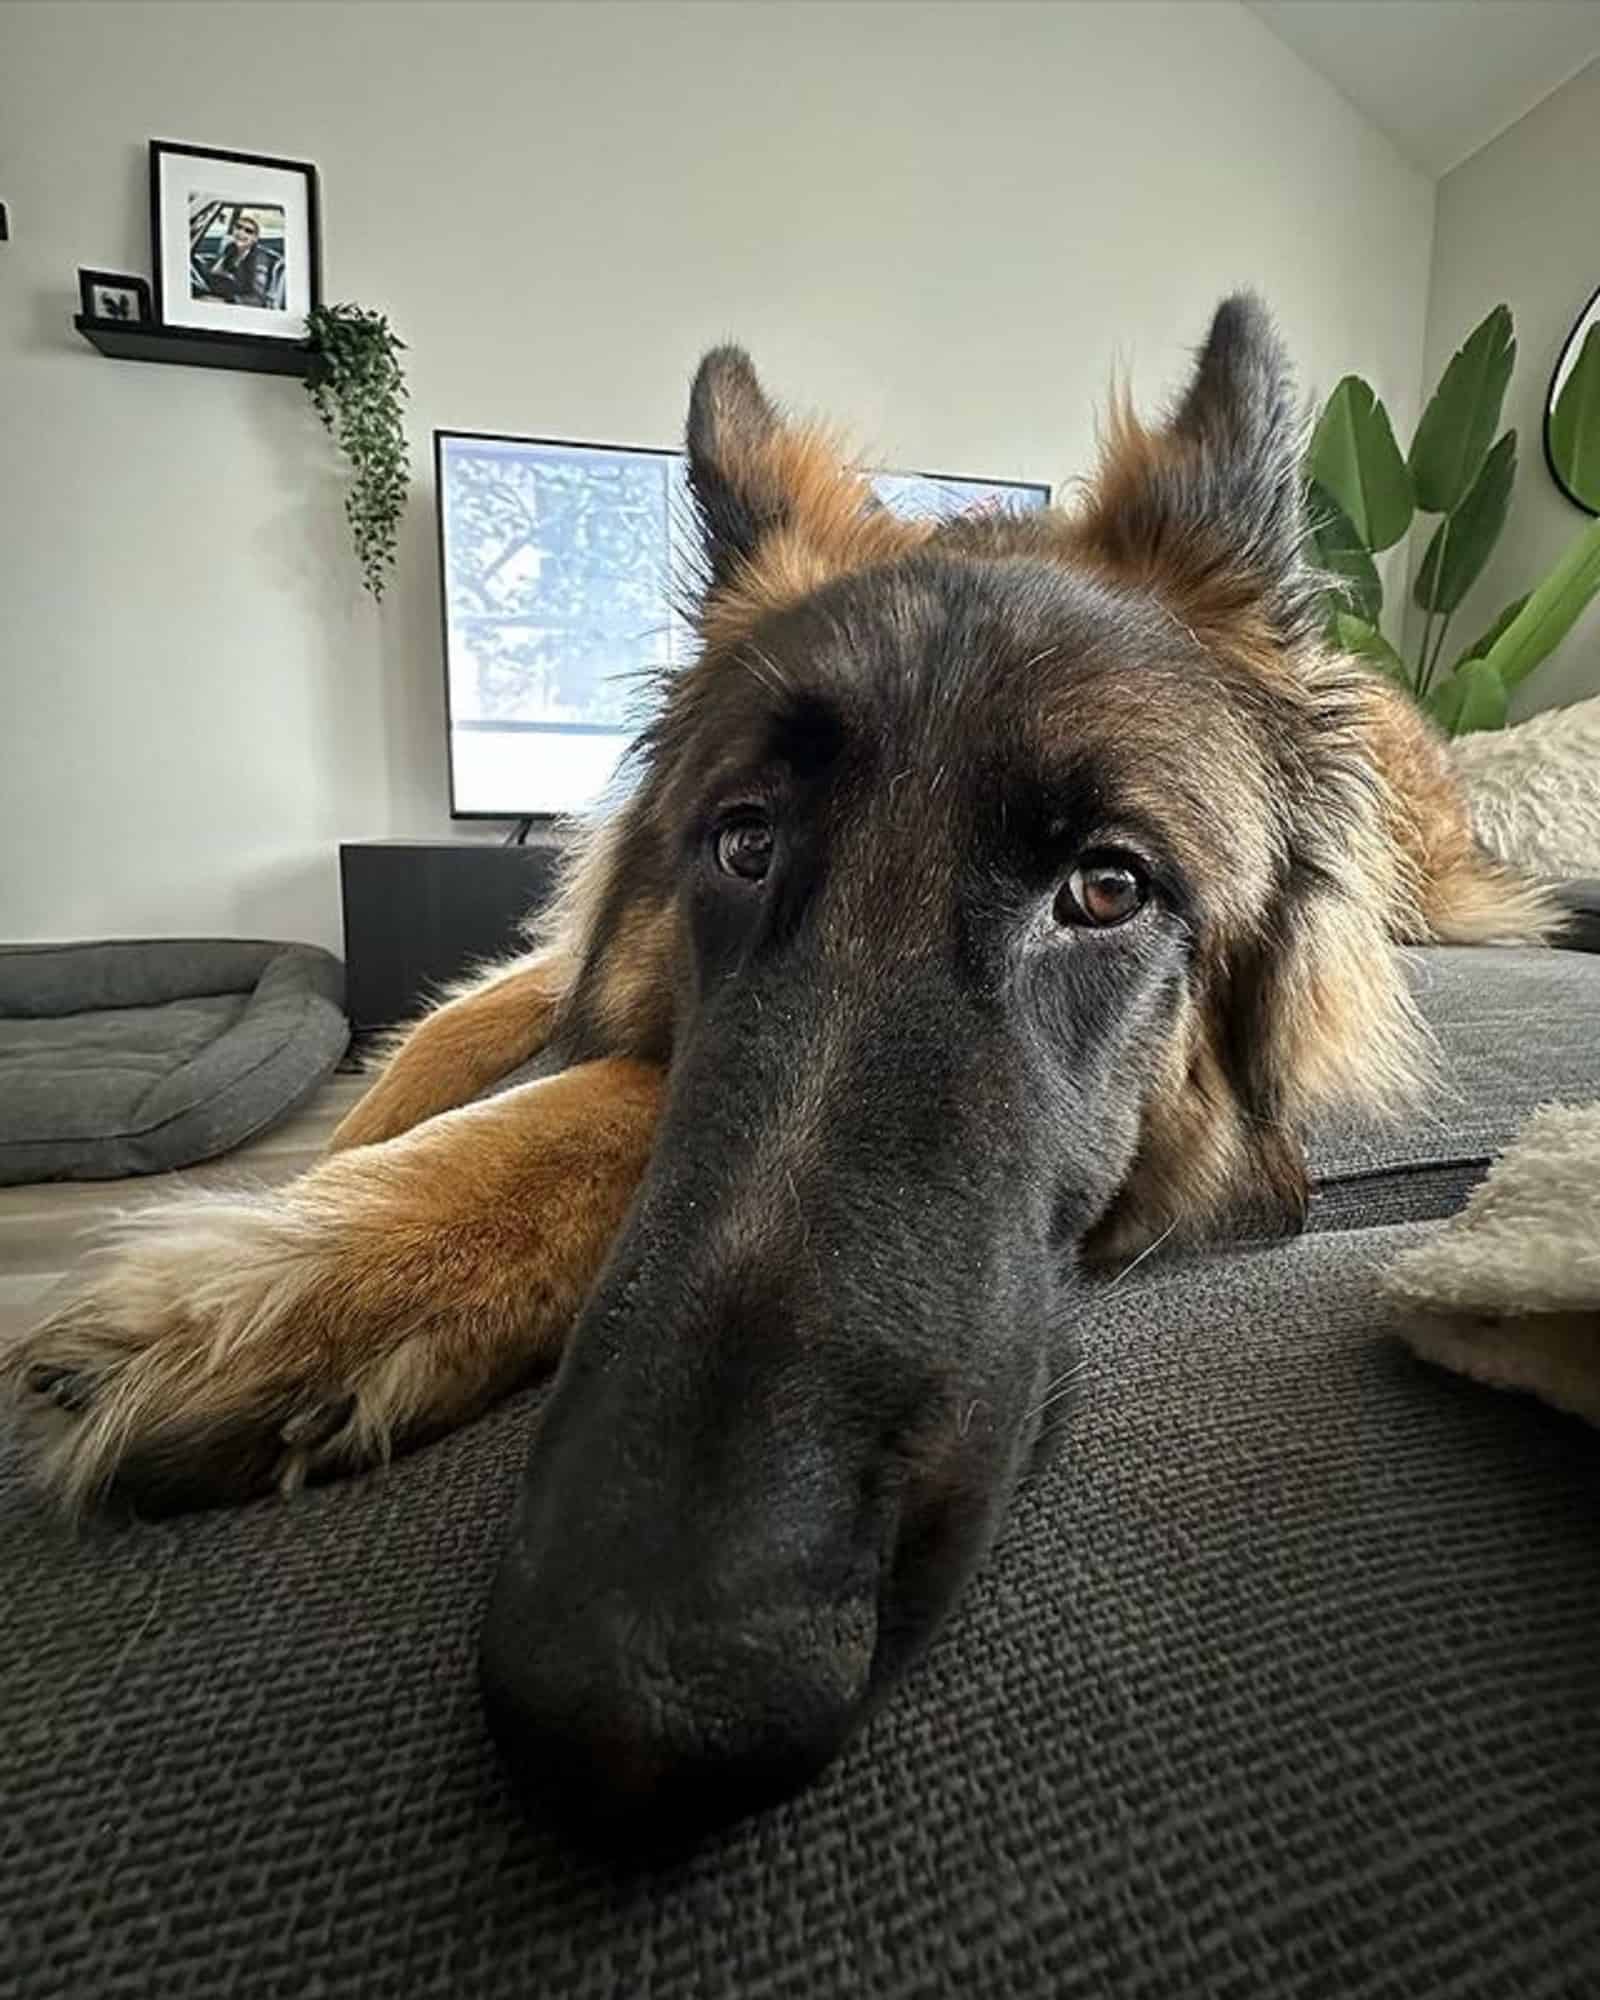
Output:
x=561 y=569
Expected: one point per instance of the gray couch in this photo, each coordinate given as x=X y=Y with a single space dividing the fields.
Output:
x=1284 y=1681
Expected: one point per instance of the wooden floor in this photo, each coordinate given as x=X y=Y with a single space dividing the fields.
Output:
x=45 y=1229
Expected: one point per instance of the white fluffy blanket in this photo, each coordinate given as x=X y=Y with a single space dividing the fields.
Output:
x=1508 y=1291
x=1534 y=791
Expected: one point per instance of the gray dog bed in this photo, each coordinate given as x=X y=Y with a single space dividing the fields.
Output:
x=136 y=1057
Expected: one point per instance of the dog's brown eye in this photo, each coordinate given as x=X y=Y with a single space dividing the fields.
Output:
x=744 y=847
x=1101 y=891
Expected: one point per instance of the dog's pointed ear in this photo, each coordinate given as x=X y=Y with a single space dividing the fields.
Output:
x=781 y=509
x=1209 y=509
x=733 y=467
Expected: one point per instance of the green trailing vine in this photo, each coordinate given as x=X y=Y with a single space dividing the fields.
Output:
x=359 y=389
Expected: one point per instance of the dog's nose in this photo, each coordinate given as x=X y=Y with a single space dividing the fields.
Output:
x=643 y=1732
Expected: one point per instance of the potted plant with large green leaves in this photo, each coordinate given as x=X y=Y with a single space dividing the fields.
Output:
x=1363 y=496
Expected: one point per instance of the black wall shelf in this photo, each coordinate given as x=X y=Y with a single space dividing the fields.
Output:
x=194 y=348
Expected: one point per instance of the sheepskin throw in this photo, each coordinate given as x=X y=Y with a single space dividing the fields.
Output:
x=1534 y=791
x=1508 y=1291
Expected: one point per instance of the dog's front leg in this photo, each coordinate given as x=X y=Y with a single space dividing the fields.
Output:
x=226 y=1345
x=459 y=1050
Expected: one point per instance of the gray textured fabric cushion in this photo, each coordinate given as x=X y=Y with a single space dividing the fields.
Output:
x=1281 y=1683
x=139 y=1056
x=1515 y=1029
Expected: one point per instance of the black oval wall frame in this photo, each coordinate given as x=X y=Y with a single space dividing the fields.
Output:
x=1567 y=359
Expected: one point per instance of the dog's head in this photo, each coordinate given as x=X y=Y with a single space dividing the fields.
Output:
x=1006 y=893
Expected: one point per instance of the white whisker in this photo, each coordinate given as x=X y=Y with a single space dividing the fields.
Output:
x=1062 y=1385
x=1145 y=1252
x=763 y=668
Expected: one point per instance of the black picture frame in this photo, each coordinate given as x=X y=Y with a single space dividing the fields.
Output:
x=162 y=150
x=90 y=282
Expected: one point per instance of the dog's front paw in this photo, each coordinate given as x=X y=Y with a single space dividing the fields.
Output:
x=200 y=1360
x=226 y=1345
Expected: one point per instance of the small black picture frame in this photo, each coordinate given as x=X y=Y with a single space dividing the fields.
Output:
x=235 y=240
x=113 y=298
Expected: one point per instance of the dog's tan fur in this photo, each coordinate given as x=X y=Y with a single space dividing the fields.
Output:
x=491 y=1026
x=834 y=530
x=438 y=1257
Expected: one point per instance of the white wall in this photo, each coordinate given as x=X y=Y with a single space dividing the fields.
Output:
x=1520 y=221
x=942 y=221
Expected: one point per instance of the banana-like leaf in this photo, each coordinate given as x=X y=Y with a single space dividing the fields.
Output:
x=1574 y=434
x=1473 y=699
x=1463 y=415
x=1337 y=548
x=1443 y=702
x=1480 y=646
x=1550 y=612
x=1463 y=541
x=1356 y=636
x=1354 y=458
x=1484 y=699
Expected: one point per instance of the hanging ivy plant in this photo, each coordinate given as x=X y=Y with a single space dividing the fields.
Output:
x=359 y=389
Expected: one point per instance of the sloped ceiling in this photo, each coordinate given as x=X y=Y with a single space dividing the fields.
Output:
x=1440 y=77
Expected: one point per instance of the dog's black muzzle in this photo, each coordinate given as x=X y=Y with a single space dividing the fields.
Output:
x=650 y=1676
x=787 y=1423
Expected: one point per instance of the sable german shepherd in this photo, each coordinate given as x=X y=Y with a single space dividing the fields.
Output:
x=995 y=899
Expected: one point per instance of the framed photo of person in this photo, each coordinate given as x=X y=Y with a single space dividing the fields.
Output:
x=235 y=240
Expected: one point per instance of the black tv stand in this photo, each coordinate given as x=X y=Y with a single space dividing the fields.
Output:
x=420 y=914
x=518 y=836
